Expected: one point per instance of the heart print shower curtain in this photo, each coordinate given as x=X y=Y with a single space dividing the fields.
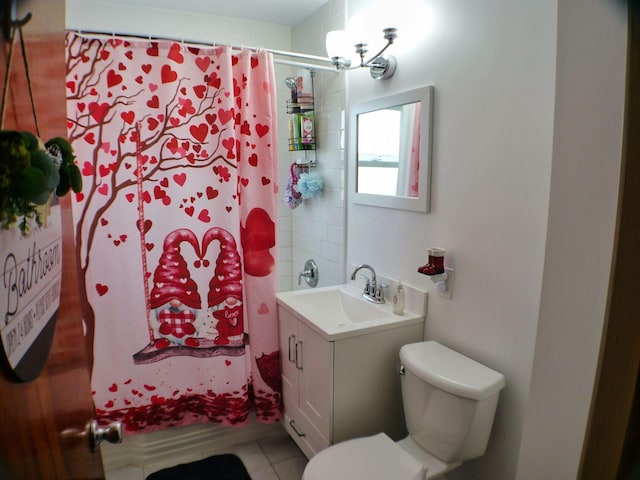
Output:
x=174 y=229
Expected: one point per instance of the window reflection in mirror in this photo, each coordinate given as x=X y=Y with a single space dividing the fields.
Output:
x=388 y=149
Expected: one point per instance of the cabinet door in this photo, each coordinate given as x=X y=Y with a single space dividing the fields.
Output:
x=316 y=379
x=288 y=332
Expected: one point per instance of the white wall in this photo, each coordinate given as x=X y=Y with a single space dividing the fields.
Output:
x=493 y=67
x=97 y=15
x=582 y=217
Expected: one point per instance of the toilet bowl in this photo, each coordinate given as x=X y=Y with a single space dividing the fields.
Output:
x=375 y=458
x=449 y=402
x=363 y=458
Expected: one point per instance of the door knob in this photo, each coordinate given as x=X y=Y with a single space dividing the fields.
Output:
x=112 y=434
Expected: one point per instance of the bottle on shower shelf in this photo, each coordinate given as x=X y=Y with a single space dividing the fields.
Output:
x=306 y=131
x=304 y=88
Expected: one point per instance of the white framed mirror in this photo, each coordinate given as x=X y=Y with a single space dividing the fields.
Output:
x=390 y=151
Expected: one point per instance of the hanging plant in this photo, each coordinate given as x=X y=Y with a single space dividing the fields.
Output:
x=30 y=172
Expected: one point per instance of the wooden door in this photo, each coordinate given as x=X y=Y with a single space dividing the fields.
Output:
x=612 y=442
x=42 y=422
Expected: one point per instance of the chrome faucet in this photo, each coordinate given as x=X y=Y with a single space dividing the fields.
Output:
x=373 y=291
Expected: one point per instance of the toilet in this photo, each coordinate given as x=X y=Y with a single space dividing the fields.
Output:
x=449 y=405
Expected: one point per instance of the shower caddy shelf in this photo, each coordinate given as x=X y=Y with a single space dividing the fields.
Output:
x=302 y=111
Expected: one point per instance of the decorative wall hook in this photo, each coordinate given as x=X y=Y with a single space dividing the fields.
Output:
x=9 y=23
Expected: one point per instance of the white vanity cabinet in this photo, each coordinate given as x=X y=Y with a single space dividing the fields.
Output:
x=337 y=387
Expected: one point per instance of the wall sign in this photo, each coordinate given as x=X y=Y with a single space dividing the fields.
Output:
x=30 y=294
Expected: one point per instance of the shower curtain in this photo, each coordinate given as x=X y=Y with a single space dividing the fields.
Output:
x=409 y=156
x=175 y=232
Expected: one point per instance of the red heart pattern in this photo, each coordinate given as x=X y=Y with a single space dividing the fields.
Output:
x=203 y=216
x=175 y=53
x=153 y=102
x=144 y=226
x=87 y=169
x=262 y=130
x=168 y=75
x=225 y=115
x=99 y=110
x=114 y=78
x=128 y=117
x=152 y=123
x=200 y=91
x=180 y=178
x=203 y=63
x=212 y=193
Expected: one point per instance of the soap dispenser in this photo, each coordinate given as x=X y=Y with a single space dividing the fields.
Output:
x=398 y=299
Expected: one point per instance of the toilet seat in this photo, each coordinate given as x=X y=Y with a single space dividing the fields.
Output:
x=371 y=458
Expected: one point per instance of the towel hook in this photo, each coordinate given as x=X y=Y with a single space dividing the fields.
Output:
x=9 y=23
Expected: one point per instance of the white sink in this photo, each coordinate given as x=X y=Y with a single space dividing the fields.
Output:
x=335 y=302
x=340 y=310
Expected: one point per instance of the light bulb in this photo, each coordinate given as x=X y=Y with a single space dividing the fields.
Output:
x=337 y=44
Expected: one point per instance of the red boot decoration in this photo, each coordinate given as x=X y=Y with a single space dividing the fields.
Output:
x=436 y=262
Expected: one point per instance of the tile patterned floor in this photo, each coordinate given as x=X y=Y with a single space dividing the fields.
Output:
x=272 y=459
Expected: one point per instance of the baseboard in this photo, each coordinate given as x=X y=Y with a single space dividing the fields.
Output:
x=143 y=449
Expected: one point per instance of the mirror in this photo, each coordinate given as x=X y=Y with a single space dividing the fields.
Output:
x=390 y=151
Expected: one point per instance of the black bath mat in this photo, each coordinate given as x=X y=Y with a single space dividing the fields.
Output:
x=218 y=467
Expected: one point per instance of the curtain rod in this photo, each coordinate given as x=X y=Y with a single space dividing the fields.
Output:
x=195 y=43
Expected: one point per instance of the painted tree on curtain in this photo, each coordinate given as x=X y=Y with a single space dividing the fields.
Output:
x=175 y=230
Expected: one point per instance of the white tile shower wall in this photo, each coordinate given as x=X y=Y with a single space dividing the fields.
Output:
x=318 y=225
x=283 y=234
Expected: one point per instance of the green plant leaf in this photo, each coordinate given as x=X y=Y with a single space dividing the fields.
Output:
x=65 y=148
x=31 y=186
x=42 y=161
x=31 y=142
x=75 y=177
x=65 y=183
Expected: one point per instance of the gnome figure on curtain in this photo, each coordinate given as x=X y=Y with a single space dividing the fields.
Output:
x=174 y=300
x=225 y=290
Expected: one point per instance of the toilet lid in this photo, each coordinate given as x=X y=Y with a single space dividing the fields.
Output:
x=372 y=458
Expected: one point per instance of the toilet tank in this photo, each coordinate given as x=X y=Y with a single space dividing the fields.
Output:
x=449 y=401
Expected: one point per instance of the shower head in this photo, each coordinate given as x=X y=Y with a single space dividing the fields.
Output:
x=291 y=83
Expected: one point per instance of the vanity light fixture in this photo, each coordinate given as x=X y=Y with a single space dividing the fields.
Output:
x=380 y=66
